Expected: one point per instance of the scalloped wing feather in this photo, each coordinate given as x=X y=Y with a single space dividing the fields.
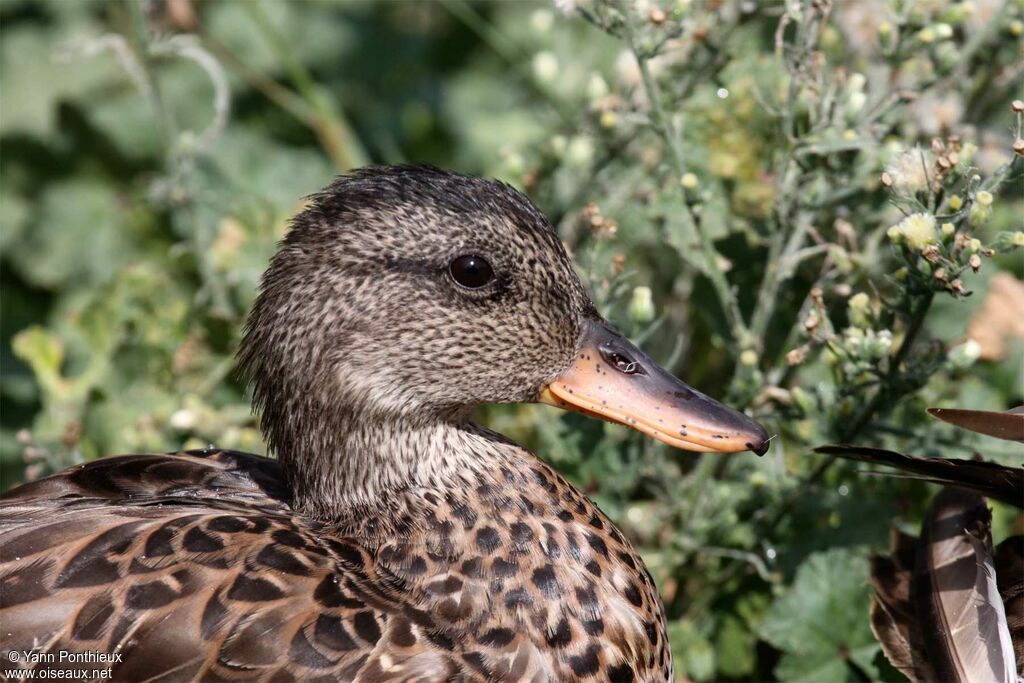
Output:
x=194 y=567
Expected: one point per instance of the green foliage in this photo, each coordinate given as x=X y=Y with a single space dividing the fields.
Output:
x=820 y=622
x=789 y=205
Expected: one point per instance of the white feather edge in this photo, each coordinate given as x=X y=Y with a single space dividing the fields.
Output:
x=997 y=635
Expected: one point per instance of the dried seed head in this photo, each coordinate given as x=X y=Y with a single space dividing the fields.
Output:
x=931 y=254
x=844 y=228
x=1018 y=106
x=657 y=16
x=940 y=275
x=975 y=262
x=796 y=356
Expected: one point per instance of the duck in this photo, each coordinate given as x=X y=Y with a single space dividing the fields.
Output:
x=391 y=538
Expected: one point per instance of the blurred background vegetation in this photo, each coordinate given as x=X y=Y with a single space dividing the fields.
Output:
x=809 y=208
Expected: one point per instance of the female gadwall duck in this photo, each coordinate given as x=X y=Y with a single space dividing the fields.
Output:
x=392 y=539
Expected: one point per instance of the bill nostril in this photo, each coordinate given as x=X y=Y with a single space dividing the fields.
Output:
x=621 y=361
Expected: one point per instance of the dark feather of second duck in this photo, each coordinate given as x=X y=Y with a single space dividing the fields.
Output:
x=392 y=539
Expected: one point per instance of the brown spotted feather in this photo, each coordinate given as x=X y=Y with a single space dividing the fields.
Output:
x=194 y=567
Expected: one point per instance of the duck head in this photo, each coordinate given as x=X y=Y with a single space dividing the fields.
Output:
x=409 y=295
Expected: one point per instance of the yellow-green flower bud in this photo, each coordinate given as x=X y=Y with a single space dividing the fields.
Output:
x=596 y=86
x=857 y=101
x=948 y=229
x=1018 y=239
x=980 y=214
x=860 y=309
x=918 y=230
x=964 y=355
x=641 y=305
x=748 y=358
x=545 y=67
x=558 y=144
x=959 y=12
x=542 y=20
x=956 y=202
x=580 y=151
x=984 y=198
x=689 y=181
x=802 y=399
x=974 y=245
x=894 y=234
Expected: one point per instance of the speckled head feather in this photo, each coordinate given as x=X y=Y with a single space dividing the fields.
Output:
x=358 y=320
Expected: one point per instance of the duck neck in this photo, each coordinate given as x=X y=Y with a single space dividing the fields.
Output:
x=366 y=460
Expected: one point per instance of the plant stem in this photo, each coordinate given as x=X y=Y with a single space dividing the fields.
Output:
x=780 y=268
x=881 y=396
x=138 y=34
x=340 y=141
x=667 y=130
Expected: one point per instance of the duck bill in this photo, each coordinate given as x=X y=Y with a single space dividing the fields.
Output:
x=612 y=379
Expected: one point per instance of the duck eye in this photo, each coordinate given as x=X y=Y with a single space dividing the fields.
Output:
x=471 y=271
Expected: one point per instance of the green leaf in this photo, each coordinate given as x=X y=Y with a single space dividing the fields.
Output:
x=35 y=81
x=821 y=623
x=79 y=236
x=14 y=213
x=695 y=656
x=734 y=645
x=43 y=352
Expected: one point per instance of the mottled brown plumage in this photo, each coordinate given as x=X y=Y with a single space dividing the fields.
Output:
x=393 y=540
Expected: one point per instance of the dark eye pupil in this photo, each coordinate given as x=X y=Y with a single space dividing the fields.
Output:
x=471 y=271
